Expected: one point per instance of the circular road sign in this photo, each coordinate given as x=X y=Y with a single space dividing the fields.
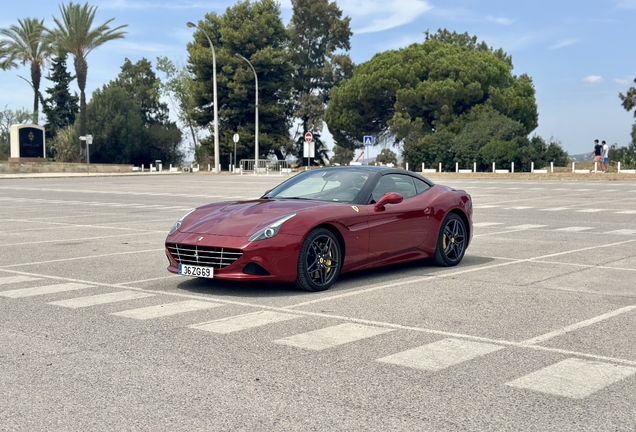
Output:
x=309 y=137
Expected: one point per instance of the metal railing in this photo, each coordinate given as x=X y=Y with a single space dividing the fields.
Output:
x=265 y=167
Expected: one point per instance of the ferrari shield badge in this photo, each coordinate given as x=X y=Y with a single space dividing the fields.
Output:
x=356 y=208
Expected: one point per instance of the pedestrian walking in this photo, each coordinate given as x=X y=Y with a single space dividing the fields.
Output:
x=605 y=157
x=597 y=153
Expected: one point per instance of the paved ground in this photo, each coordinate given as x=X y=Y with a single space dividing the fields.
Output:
x=534 y=331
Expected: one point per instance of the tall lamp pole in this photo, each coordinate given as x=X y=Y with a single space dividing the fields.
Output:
x=217 y=168
x=256 y=106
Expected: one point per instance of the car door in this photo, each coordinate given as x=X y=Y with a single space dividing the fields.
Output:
x=398 y=227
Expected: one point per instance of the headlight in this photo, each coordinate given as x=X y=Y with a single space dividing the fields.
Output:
x=271 y=230
x=177 y=224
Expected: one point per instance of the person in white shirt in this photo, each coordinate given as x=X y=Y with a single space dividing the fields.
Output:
x=605 y=157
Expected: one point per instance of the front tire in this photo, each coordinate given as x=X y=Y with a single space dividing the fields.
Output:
x=319 y=262
x=451 y=241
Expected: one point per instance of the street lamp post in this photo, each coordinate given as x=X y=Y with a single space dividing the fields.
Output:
x=256 y=107
x=216 y=108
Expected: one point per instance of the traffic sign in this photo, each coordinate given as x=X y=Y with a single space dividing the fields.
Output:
x=309 y=137
x=367 y=140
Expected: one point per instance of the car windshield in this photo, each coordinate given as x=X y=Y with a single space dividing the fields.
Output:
x=331 y=185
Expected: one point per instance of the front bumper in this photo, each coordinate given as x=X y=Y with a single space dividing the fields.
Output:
x=278 y=256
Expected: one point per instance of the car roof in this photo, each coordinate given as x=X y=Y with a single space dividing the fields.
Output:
x=378 y=169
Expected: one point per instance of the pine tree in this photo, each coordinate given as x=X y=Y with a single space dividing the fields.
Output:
x=61 y=106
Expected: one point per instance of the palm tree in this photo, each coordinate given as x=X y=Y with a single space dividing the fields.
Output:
x=26 y=43
x=76 y=35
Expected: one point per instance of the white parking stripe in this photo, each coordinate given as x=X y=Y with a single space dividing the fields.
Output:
x=623 y=232
x=16 y=279
x=49 y=289
x=166 y=309
x=527 y=226
x=101 y=299
x=555 y=209
x=439 y=355
x=574 y=229
x=590 y=211
x=486 y=206
x=486 y=224
x=573 y=378
x=332 y=336
x=519 y=208
x=243 y=322
x=627 y=212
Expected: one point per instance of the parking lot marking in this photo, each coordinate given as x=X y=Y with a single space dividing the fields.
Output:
x=627 y=212
x=573 y=378
x=16 y=279
x=590 y=210
x=526 y=226
x=49 y=289
x=99 y=299
x=82 y=258
x=574 y=229
x=554 y=209
x=440 y=355
x=519 y=208
x=166 y=309
x=577 y=326
x=486 y=206
x=487 y=224
x=622 y=232
x=330 y=337
x=243 y=322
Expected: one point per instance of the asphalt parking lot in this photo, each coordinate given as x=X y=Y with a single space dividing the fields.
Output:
x=534 y=331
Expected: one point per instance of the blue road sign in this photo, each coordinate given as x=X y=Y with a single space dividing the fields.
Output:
x=367 y=140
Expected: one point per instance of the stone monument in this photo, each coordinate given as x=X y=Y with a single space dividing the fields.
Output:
x=27 y=143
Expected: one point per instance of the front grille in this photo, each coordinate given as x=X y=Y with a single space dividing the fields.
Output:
x=203 y=255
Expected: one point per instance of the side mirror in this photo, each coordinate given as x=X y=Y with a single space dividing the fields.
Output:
x=388 y=198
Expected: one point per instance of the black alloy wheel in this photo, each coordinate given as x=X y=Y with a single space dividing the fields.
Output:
x=319 y=262
x=451 y=242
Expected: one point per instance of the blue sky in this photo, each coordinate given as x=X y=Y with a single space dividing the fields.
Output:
x=579 y=53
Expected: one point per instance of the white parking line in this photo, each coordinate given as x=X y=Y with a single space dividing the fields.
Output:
x=554 y=209
x=574 y=229
x=243 y=322
x=627 y=212
x=100 y=299
x=439 y=355
x=49 y=289
x=526 y=227
x=622 y=232
x=167 y=309
x=16 y=279
x=573 y=378
x=590 y=211
x=330 y=337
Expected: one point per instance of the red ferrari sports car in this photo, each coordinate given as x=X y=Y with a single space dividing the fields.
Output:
x=321 y=223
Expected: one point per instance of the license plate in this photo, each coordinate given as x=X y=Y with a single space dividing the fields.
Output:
x=197 y=271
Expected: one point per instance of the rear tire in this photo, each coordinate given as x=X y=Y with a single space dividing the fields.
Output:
x=451 y=241
x=319 y=262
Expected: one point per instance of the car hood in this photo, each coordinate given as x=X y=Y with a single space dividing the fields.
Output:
x=241 y=219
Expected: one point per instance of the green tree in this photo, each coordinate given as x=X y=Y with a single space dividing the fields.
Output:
x=342 y=155
x=423 y=95
x=254 y=30
x=26 y=43
x=117 y=126
x=386 y=156
x=131 y=124
x=10 y=117
x=76 y=35
x=627 y=155
x=319 y=41
x=177 y=87
x=61 y=107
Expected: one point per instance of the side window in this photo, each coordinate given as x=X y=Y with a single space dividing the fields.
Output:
x=402 y=184
x=420 y=185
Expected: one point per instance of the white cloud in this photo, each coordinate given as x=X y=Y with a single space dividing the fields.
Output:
x=500 y=20
x=370 y=16
x=593 y=79
x=628 y=80
x=564 y=43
